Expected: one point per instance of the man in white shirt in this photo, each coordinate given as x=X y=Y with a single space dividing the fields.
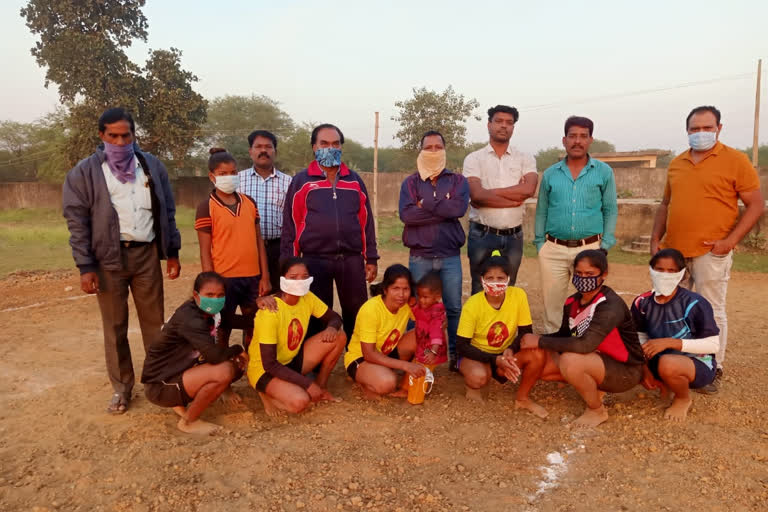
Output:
x=500 y=179
x=121 y=217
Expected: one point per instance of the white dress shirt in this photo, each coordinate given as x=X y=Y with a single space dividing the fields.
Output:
x=133 y=204
x=495 y=172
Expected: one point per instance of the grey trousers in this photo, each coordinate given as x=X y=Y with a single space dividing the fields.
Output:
x=141 y=274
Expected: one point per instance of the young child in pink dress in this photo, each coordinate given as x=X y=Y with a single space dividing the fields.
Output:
x=429 y=313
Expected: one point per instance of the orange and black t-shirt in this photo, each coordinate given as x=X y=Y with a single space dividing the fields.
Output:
x=234 y=250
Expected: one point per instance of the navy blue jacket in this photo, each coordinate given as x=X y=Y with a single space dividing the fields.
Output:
x=321 y=218
x=433 y=230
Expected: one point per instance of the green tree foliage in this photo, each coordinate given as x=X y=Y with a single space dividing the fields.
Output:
x=762 y=155
x=232 y=118
x=30 y=151
x=601 y=146
x=81 y=44
x=446 y=112
x=546 y=158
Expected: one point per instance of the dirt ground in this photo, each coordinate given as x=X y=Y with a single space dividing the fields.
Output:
x=59 y=450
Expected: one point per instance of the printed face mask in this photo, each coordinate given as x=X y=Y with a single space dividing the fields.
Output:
x=211 y=305
x=664 y=283
x=298 y=287
x=586 y=284
x=328 y=157
x=227 y=184
x=702 y=141
x=495 y=289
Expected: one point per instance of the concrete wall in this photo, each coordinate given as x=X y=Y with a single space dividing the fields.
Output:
x=29 y=195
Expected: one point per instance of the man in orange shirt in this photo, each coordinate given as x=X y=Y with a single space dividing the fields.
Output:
x=699 y=214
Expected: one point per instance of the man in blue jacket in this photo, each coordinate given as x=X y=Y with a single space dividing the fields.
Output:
x=432 y=201
x=121 y=218
x=327 y=220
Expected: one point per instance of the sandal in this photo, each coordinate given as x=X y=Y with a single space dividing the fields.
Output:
x=118 y=404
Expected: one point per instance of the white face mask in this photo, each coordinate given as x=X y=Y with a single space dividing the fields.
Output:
x=298 y=287
x=664 y=283
x=702 y=141
x=227 y=184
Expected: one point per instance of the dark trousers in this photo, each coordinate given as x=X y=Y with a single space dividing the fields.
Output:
x=273 y=263
x=480 y=245
x=141 y=275
x=348 y=271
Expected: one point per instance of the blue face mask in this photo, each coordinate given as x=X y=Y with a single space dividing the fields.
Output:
x=702 y=141
x=211 y=305
x=586 y=284
x=328 y=157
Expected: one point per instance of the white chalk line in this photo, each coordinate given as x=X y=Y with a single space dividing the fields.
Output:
x=37 y=304
x=555 y=469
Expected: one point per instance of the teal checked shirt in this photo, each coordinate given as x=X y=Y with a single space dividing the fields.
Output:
x=574 y=209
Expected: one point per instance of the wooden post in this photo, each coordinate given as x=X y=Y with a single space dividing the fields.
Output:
x=757 y=114
x=376 y=177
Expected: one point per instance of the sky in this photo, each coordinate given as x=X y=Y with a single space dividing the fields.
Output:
x=340 y=61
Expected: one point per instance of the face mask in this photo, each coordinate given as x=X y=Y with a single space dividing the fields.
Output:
x=120 y=161
x=328 y=157
x=430 y=163
x=298 y=287
x=227 y=184
x=495 y=289
x=211 y=305
x=586 y=284
x=702 y=141
x=664 y=283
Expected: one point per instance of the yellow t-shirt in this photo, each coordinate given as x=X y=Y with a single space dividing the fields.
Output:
x=375 y=323
x=285 y=328
x=493 y=330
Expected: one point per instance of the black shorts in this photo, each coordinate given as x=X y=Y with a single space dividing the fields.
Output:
x=243 y=292
x=704 y=374
x=619 y=377
x=495 y=374
x=168 y=393
x=353 y=366
x=296 y=364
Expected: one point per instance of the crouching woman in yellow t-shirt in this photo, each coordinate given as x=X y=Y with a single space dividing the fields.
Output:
x=380 y=344
x=488 y=338
x=279 y=356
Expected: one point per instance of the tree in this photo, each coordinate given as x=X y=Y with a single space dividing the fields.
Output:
x=232 y=118
x=762 y=155
x=170 y=111
x=601 y=146
x=446 y=112
x=82 y=43
x=546 y=158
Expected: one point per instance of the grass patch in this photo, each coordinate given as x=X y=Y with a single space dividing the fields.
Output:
x=38 y=239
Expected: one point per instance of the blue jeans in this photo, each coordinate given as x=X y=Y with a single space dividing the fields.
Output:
x=450 y=274
x=480 y=245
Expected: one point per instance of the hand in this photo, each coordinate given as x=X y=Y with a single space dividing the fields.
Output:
x=89 y=282
x=653 y=347
x=529 y=341
x=267 y=302
x=654 y=247
x=241 y=360
x=719 y=247
x=173 y=268
x=649 y=381
x=419 y=202
x=370 y=272
x=412 y=301
x=328 y=334
x=415 y=369
x=507 y=367
x=429 y=356
x=264 y=285
x=318 y=394
x=515 y=204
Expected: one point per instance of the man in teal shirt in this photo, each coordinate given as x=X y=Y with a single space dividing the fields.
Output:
x=576 y=210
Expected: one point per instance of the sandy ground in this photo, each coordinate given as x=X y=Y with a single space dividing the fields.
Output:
x=60 y=451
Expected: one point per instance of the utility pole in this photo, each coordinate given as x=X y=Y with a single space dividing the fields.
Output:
x=757 y=114
x=376 y=176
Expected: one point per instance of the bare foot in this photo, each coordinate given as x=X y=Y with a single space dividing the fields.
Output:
x=230 y=397
x=400 y=393
x=197 y=427
x=591 y=417
x=272 y=410
x=476 y=395
x=530 y=405
x=370 y=395
x=180 y=410
x=678 y=411
x=663 y=391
